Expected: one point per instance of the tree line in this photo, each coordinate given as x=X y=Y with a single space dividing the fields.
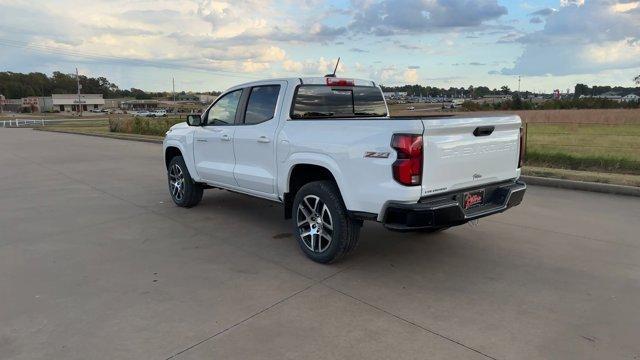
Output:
x=582 y=89
x=431 y=91
x=18 y=85
x=480 y=91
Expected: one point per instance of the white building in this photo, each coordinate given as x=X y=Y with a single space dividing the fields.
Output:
x=70 y=102
x=631 y=98
x=394 y=94
x=609 y=95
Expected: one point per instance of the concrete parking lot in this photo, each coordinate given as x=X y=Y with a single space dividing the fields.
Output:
x=97 y=263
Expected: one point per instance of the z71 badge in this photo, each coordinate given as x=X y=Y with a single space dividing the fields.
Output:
x=375 y=154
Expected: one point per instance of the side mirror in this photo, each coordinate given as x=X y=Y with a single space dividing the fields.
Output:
x=194 y=120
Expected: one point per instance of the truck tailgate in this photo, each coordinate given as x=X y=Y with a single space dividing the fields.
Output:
x=467 y=152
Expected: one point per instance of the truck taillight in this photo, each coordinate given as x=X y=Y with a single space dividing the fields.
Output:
x=522 y=149
x=407 y=169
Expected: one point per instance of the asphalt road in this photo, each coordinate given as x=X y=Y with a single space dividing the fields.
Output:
x=97 y=263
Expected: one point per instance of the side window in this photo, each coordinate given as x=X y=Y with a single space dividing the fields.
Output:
x=223 y=112
x=262 y=104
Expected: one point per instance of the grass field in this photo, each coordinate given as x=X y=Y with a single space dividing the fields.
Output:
x=142 y=126
x=592 y=147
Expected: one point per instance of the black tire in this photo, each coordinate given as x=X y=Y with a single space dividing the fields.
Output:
x=191 y=193
x=343 y=230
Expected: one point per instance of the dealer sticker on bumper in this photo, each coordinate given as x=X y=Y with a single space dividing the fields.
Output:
x=473 y=198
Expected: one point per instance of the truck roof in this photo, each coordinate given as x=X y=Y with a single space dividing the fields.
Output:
x=316 y=80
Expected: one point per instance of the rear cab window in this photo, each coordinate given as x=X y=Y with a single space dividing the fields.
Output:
x=327 y=102
x=261 y=105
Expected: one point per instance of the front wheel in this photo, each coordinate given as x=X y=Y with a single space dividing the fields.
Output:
x=184 y=191
x=322 y=226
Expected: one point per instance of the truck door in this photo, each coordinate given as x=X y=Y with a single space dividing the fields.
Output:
x=213 y=142
x=254 y=143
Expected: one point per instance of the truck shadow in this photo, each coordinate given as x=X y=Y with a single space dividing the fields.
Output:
x=260 y=224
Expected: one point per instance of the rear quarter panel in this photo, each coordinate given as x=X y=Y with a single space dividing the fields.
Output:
x=340 y=145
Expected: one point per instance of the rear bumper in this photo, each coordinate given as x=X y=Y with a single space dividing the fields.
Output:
x=446 y=209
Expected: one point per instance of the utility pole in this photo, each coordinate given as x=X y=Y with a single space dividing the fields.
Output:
x=519 y=85
x=79 y=99
x=173 y=82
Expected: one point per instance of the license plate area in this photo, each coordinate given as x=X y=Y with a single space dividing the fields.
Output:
x=473 y=199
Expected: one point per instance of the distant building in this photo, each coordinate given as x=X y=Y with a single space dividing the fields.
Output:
x=11 y=105
x=394 y=94
x=70 y=102
x=631 y=98
x=36 y=104
x=610 y=95
x=491 y=99
x=115 y=103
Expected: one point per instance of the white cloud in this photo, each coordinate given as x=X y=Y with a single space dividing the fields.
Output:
x=393 y=75
x=293 y=66
x=223 y=35
x=318 y=67
x=250 y=66
x=564 y=3
x=615 y=52
x=581 y=38
x=410 y=76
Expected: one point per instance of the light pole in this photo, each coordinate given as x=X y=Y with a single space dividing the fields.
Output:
x=79 y=87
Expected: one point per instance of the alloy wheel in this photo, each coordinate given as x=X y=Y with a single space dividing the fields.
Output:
x=315 y=224
x=176 y=182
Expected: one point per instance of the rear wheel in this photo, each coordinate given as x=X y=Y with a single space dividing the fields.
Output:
x=322 y=226
x=184 y=191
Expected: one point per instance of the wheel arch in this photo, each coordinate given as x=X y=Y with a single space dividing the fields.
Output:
x=304 y=172
x=169 y=153
x=172 y=148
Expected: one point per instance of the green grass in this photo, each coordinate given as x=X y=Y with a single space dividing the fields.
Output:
x=600 y=177
x=592 y=147
x=143 y=126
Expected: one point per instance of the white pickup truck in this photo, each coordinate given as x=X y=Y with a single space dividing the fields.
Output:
x=327 y=149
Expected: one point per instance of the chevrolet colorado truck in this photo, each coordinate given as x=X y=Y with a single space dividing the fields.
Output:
x=327 y=149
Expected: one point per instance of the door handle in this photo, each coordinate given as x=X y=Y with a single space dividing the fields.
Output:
x=483 y=130
x=225 y=137
x=202 y=140
x=263 y=139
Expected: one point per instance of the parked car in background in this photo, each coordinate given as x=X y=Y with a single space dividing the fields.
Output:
x=327 y=149
x=159 y=113
x=142 y=113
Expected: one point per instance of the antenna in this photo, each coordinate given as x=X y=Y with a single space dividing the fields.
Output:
x=334 y=69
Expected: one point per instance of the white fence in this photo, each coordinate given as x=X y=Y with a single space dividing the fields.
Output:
x=14 y=123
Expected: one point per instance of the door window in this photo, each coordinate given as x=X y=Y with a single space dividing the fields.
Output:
x=262 y=104
x=223 y=112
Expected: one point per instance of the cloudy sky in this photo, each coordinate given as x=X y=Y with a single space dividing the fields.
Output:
x=211 y=44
